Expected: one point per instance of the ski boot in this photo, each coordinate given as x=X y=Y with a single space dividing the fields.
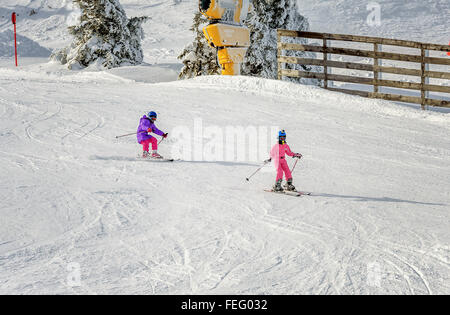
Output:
x=277 y=187
x=155 y=155
x=145 y=154
x=288 y=186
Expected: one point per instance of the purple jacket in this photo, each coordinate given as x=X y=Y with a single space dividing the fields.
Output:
x=144 y=125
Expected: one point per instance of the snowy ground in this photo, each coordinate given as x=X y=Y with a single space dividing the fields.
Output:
x=72 y=194
x=76 y=202
x=416 y=20
x=166 y=33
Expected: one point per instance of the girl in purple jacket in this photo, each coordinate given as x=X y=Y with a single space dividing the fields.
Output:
x=146 y=126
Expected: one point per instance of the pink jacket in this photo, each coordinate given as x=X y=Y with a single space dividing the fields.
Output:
x=278 y=152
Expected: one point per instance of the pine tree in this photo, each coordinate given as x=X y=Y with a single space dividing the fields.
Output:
x=266 y=17
x=261 y=59
x=198 y=57
x=104 y=36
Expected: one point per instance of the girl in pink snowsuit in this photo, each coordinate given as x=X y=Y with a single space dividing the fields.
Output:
x=278 y=155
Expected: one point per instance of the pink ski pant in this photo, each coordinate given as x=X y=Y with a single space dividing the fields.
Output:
x=146 y=144
x=283 y=167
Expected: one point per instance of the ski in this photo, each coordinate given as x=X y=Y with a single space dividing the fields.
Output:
x=139 y=157
x=290 y=193
x=157 y=160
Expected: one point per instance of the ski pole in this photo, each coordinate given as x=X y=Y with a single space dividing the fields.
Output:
x=130 y=134
x=161 y=140
x=248 y=178
x=295 y=164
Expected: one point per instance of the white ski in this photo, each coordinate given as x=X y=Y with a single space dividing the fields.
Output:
x=290 y=193
x=154 y=159
x=157 y=160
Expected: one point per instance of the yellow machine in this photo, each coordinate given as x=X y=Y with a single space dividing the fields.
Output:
x=226 y=32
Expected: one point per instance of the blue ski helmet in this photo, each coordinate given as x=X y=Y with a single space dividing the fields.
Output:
x=282 y=137
x=152 y=114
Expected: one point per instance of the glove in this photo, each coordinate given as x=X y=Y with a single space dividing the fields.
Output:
x=149 y=130
x=165 y=135
x=298 y=155
x=267 y=161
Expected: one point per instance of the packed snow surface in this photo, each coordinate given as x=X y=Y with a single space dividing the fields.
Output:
x=81 y=214
x=73 y=195
x=416 y=20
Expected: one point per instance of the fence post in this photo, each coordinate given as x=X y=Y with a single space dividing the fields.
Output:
x=325 y=60
x=279 y=53
x=376 y=65
x=424 y=79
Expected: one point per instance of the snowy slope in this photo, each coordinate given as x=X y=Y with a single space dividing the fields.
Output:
x=74 y=200
x=417 y=20
x=72 y=195
x=166 y=33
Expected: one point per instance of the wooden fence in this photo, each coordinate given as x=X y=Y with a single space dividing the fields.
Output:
x=377 y=55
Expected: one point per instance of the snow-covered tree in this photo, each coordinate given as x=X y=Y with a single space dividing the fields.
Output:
x=261 y=60
x=266 y=17
x=198 y=57
x=104 y=35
